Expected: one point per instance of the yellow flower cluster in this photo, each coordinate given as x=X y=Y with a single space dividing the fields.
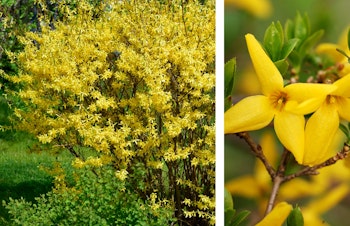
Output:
x=133 y=81
x=310 y=142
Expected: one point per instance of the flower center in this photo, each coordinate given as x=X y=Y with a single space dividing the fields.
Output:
x=278 y=100
x=332 y=99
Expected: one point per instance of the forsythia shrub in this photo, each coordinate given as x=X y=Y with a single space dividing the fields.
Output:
x=130 y=85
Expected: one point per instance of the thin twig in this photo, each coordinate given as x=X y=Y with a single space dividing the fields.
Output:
x=277 y=181
x=257 y=151
x=283 y=163
x=312 y=170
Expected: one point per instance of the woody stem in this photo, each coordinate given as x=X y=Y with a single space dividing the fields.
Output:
x=276 y=185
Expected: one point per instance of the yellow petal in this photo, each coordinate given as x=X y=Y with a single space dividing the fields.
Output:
x=251 y=113
x=245 y=186
x=268 y=144
x=277 y=216
x=327 y=202
x=298 y=188
x=262 y=177
x=259 y=8
x=312 y=219
x=344 y=108
x=329 y=49
x=342 y=86
x=248 y=82
x=343 y=40
x=290 y=131
x=319 y=132
x=269 y=76
x=304 y=98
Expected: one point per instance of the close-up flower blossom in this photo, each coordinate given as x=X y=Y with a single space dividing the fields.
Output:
x=286 y=105
x=336 y=106
x=287 y=113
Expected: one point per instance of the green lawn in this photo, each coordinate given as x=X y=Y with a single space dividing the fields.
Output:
x=21 y=169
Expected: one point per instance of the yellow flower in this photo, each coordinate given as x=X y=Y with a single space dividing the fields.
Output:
x=314 y=209
x=326 y=122
x=277 y=216
x=259 y=8
x=330 y=49
x=286 y=105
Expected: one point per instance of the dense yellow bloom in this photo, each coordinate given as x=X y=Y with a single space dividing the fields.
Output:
x=150 y=107
x=286 y=105
x=277 y=216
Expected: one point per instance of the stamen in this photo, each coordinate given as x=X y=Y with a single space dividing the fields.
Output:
x=279 y=99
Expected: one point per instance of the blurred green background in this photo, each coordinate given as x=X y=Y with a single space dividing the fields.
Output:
x=331 y=16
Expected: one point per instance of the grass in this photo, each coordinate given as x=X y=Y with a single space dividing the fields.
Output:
x=21 y=169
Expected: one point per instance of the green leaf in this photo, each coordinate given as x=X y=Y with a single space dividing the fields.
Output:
x=301 y=29
x=289 y=29
x=295 y=60
x=229 y=216
x=282 y=66
x=295 y=218
x=228 y=103
x=344 y=129
x=230 y=71
x=289 y=47
x=241 y=216
x=273 y=40
x=310 y=42
x=228 y=201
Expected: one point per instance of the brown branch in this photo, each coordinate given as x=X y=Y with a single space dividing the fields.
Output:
x=277 y=181
x=312 y=170
x=283 y=163
x=257 y=151
x=278 y=177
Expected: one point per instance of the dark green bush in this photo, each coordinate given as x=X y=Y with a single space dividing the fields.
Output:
x=94 y=200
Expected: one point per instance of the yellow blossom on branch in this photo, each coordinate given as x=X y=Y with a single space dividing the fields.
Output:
x=336 y=106
x=286 y=105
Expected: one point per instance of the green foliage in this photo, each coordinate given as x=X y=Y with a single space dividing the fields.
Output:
x=300 y=29
x=230 y=71
x=277 y=47
x=96 y=199
x=231 y=217
x=290 y=47
x=346 y=130
x=295 y=217
x=21 y=166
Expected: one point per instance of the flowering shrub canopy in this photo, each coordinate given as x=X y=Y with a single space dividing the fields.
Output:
x=133 y=82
